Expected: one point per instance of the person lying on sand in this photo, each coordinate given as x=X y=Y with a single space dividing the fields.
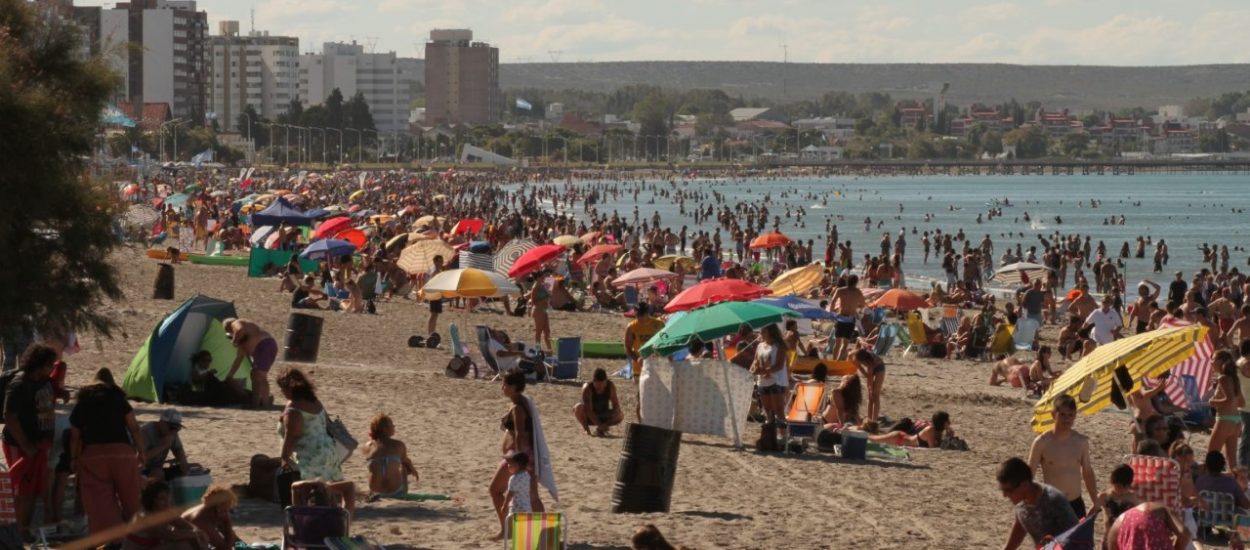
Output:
x=906 y=433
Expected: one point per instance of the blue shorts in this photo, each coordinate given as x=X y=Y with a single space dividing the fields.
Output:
x=775 y=389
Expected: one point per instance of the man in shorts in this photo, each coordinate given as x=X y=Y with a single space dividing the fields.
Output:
x=254 y=343
x=845 y=303
x=29 y=421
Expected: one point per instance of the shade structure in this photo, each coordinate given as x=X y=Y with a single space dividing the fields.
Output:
x=599 y=250
x=419 y=256
x=468 y=283
x=1149 y=354
x=261 y=234
x=713 y=322
x=398 y=242
x=591 y=237
x=666 y=262
x=533 y=259
x=428 y=221
x=568 y=241
x=643 y=276
x=799 y=280
x=901 y=299
x=470 y=226
x=798 y=305
x=356 y=195
x=1011 y=273
x=177 y=200
x=280 y=212
x=770 y=240
x=711 y=291
x=509 y=253
x=327 y=248
x=354 y=236
x=331 y=227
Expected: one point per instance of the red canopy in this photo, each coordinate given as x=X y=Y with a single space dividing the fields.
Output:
x=331 y=227
x=901 y=300
x=770 y=240
x=534 y=258
x=354 y=236
x=468 y=225
x=712 y=291
x=599 y=250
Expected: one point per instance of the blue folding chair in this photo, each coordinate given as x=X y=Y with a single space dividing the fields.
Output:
x=564 y=366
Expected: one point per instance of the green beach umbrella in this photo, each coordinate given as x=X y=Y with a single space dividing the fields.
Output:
x=713 y=322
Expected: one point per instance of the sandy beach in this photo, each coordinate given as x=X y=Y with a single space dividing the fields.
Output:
x=723 y=498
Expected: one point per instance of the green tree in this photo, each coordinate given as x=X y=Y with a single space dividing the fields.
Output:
x=334 y=109
x=257 y=130
x=1030 y=141
x=55 y=221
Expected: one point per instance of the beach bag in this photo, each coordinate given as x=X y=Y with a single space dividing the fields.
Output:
x=953 y=443
x=344 y=443
x=262 y=478
x=283 y=480
x=767 y=441
x=458 y=367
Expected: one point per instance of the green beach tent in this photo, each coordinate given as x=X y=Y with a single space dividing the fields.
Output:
x=165 y=357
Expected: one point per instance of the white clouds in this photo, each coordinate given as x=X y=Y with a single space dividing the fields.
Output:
x=988 y=14
x=551 y=11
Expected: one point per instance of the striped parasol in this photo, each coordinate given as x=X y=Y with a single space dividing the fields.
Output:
x=799 y=280
x=141 y=215
x=1196 y=369
x=509 y=254
x=418 y=257
x=1149 y=354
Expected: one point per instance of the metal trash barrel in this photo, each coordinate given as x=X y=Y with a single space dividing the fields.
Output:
x=645 y=473
x=164 y=287
x=303 y=338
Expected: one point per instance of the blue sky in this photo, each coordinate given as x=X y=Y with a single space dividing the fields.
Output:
x=1086 y=32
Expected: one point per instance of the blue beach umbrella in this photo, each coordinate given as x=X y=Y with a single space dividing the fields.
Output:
x=327 y=248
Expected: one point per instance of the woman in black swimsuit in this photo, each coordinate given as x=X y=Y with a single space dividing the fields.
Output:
x=518 y=428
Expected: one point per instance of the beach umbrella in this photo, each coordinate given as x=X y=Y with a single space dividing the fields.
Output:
x=398 y=242
x=591 y=237
x=439 y=197
x=533 y=259
x=711 y=291
x=331 y=227
x=642 y=276
x=131 y=190
x=327 y=248
x=335 y=209
x=354 y=236
x=1149 y=354
x=798 y=305
x=428 y=220
x=799 y=280
x=901 y=299
x=599 y=250
x=510 y=252
x=418 y=257
x=713 y=322
x=356 y=196
x=261 y=234
x=567 y=241
x=470 y=226
x=1011 y=274
x=666 y=262
x=177 y=200
x=219 y=193
x=141 y=215
x=381 y=219
x=770 y=240
x=192 y=189
x=468 y=283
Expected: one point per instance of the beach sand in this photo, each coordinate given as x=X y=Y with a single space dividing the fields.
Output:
x=722 y=497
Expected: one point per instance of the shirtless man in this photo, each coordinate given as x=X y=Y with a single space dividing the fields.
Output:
x=1223 y=313
x=1240 y=331
x=253 y=342
x=1083 y=305
x=1063 y=455
x=1147 y=293
x=845 y=303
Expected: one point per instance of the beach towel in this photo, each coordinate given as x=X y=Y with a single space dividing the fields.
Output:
x=542 y=457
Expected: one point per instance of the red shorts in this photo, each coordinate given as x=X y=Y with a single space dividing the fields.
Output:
x=29 y=474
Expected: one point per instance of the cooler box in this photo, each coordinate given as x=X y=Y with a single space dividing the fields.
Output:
x=189 y=489
x=854 y=445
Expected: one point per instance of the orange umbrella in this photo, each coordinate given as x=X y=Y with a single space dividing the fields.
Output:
x=770 y=240
x=354 y=236
x=599 y=250
x=591 y=237
x=901 y=299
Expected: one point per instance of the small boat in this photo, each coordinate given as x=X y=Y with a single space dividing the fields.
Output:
x=203 y=259
x=163 y=254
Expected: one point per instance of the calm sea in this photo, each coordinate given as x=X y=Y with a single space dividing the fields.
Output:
x=1186 y=210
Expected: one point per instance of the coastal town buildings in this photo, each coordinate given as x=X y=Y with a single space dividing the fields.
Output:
x=253 y=69
x=461 y=79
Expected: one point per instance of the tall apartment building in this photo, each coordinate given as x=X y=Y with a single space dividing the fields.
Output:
x=386 y=81
x=461 y=79
x=253 y=69
x=160 y=47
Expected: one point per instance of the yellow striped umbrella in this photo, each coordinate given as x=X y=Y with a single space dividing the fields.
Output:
x=1148 y=354
x=666 y=262
x=799 y=280
x=468 y=283
x=418 y=257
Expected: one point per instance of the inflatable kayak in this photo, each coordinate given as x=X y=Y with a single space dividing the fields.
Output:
x=162 y=254
x=603 y=350
x=805 y=366
x=219 y=260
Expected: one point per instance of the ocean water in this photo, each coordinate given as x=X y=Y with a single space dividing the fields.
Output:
x=1185 y=210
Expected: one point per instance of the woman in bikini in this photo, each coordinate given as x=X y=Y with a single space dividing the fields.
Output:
x=1227 y=402
x=387 y=458
x=929 y=437
x=873 y=370
x=518 y=428
x=847 y=397
x=539 y=300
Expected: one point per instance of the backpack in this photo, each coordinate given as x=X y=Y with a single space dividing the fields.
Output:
x=458 y=367
x=5 y=380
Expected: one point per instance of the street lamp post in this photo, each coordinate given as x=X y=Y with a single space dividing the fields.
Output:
x=376 y=137
x=359 y=146
x=340 y=132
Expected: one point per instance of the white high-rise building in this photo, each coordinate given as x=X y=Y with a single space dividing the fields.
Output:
x=254 y=69
x=385 y=80
x=160 y=47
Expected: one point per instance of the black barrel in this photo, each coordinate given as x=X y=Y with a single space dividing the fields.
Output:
x=645 y=473
x=164 y=288
x=303 y=338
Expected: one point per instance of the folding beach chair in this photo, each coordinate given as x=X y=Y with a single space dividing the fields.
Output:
x=803 y=417
x=533 y=531
x=1002 y=342
x=886 y=334
x=917 y=335
x=1220 y=513
x=564 y=366
x=950 y=320
x=1079 y=537
x=310 y=526
x=483 y=336
x=1025 y=333
x=1156 y=479
x=630 y=294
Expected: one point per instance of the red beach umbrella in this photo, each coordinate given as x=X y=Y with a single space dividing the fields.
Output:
x=770 y=240
x=712 y=291
x=534 y=258
x=331 y=227
x=599 y=250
